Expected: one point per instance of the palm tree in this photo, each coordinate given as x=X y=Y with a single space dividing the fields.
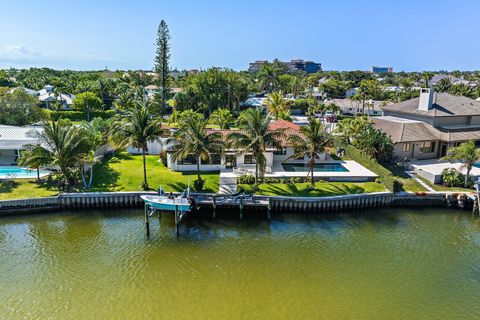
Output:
x=136 y=128
x=276 y=104
x=34 y=157
x=221 y=117
x=467 y=153
x=256 y=137
x=61 y=145
x=297 y=86
x=314 y=142
x=192 y=138
x=268 y=77
x=426 y=76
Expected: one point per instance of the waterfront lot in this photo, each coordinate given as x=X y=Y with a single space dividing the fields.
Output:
x=321 y=189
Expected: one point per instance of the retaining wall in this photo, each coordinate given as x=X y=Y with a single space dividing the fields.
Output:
x=103 y=200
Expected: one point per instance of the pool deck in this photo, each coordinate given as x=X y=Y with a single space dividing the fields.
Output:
x=355 y=173
x=432 y=169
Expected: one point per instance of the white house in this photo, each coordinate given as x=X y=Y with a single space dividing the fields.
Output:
x=349 y=106
x=245 y=162
x=47 y=95
x=13 y=139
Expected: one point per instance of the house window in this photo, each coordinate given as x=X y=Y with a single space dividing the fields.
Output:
x=215 y=158
x=406 y=147
x=281 y=152
x=190 y=159
x=427 y=146
x=249 y=159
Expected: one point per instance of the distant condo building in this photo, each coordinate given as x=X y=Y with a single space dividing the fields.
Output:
x=375 y=69
x=294 y=65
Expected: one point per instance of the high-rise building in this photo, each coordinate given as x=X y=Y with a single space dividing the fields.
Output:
x=376 y=69
x=293 y=65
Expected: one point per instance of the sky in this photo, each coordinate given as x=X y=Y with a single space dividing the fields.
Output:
x=408 y=35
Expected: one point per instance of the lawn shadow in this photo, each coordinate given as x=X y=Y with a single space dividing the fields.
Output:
x=7 y=186
x=104 y=177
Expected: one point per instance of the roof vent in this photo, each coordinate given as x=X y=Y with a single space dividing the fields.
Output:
x=426 y=99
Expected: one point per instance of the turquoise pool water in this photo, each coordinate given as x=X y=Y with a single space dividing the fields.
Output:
x=13 y=172
x=319 y=167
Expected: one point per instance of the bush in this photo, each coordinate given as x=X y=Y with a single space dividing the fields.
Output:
x=247 y=179
x=452 y=178
x=198 y=185
x=384 y=175
x=79 y=115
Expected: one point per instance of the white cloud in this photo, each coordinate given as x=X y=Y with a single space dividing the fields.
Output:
x=22 y=55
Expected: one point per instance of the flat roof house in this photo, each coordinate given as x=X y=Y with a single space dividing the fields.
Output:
x=425 y=127
x=13 y=139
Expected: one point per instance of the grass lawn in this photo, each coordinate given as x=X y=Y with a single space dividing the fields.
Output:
x=321 y=189
x=442 y=188
x=25 y=188
x=408 y=183
x=124 y=172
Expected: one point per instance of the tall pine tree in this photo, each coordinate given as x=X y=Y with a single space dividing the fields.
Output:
x=161 y=64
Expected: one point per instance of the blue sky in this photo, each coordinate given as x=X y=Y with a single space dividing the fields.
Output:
x=343 y=34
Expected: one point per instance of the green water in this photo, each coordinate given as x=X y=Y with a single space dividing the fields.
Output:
x=390 y=264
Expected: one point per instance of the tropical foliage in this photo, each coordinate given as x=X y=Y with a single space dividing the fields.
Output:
x=193 y=139
x=466 y=153
x=255 y=137
x=313 y=142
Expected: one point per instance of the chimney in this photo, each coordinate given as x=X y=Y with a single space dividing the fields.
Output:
x=426 y=99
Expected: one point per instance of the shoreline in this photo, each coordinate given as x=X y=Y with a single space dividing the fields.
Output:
x=209 y=201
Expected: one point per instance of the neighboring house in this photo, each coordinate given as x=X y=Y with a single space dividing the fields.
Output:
x=349 y=106
x=13 y=139
x=152 y=89
x=31 y=92
x=351 y=92
x=47 y=95
x=454 y=80
x=425 y=127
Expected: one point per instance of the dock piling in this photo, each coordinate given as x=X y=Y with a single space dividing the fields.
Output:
x=147 y=223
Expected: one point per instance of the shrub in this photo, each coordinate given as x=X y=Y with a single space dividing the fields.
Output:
x=198 y=185
x=452 y=178
x=79 y=115
x=384 y=175
x=247 y=179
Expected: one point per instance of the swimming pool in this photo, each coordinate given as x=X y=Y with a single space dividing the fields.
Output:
x=319 y=167
x=13 y=172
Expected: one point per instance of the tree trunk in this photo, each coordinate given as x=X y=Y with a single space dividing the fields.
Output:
x=256 y=173
x=145 y=183
x=90 y=182
x=199 y=177
x=38 y=173
x=311 y=164
x=465 y=184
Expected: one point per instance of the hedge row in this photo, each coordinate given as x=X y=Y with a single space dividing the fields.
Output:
x=385 y=176
x=79 y=115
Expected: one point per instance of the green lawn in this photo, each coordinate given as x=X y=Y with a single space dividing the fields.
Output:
x=442 y=188
x=124 y=172
x=321 y=189
x=121 y=173
x=408 y=184
x=25 y=188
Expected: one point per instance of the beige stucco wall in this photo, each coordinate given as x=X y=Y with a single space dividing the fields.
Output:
x=414 y=152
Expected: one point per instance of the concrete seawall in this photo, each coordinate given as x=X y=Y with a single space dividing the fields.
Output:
x=104 y=200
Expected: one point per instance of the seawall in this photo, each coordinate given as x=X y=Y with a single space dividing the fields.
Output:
x=104 y=200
